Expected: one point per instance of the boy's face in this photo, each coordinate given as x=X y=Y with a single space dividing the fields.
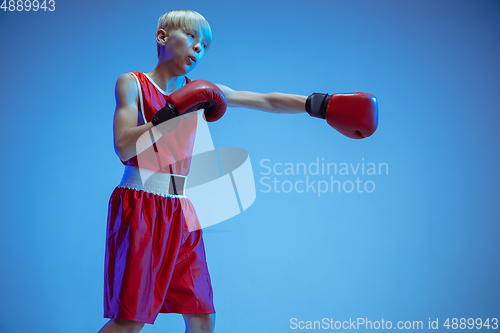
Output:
x=181 y=49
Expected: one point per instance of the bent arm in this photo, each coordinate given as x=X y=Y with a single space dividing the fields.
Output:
x=272 y=102
x=126 y=133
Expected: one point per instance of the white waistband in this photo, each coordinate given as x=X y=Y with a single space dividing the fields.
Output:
x=150 y=181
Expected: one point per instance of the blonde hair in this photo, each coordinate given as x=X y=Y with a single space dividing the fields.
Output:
x=185 y=19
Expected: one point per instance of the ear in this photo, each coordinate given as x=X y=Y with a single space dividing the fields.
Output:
x=161 y=36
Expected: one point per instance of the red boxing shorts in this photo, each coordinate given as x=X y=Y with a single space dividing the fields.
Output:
x=153 y=262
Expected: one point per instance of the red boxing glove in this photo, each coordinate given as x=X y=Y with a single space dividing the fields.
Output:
x=195 y=95
x=353 y=114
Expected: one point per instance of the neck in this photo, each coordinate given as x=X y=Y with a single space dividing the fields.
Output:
x=165 y=79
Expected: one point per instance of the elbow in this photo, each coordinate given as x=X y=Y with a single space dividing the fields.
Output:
x=120 y=153
x=123 y=153
x=272 y=104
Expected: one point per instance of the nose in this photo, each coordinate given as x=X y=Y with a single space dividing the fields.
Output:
x=197 y=46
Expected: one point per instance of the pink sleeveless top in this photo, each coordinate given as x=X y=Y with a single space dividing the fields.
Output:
x=171 y=153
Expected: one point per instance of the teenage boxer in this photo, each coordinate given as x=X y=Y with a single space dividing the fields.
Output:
x=154 y=262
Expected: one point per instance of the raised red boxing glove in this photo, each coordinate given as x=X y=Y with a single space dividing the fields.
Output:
x=195 y=95
x=354 y=115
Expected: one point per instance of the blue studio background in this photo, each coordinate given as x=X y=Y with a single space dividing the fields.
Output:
x=421 y=242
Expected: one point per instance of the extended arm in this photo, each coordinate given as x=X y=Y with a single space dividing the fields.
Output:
x=272 y=102
x=354 y=115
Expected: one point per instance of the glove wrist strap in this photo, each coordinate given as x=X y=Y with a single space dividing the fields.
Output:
x=316 y=105
x=167 y=112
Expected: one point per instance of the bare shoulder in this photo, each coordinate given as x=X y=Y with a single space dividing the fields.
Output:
x=126 y=81
x=126 y=89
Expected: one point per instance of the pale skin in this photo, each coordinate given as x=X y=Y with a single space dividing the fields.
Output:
x=179 y=53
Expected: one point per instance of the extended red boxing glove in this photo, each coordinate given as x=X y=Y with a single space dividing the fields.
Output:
x=195 y=95
x=354 y=115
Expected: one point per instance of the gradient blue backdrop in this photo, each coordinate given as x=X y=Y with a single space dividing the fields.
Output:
x=424 y=244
